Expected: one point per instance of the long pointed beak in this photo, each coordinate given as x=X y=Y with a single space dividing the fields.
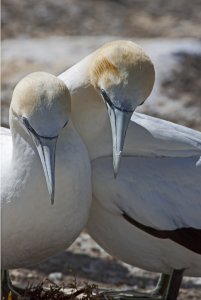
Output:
x=119 y=121
x=46 y=148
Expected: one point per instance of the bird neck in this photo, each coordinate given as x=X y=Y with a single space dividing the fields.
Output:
x=88 y=112
x=77 y=76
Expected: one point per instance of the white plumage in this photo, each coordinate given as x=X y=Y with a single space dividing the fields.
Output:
x=149 y=216
x=159 y=187
x=32 y=228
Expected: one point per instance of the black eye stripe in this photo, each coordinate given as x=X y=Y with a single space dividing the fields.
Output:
x=28 y=126
x=106 y=98
x=111 y=104
x=65 y=124
x=141 y=103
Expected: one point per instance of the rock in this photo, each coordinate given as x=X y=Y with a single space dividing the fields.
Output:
x=57 y=276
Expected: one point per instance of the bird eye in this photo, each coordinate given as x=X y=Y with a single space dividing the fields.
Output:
x=26 y=124
x=141 y=103
x=111 y=104
x=65 y=124
x=106 y=97
x=103 y=93
x=30 y=129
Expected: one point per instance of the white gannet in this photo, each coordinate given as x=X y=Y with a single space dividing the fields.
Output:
x=41 y=141
x=150 y=215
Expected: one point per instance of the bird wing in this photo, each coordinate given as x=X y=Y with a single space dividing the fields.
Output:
x=158 y=187
x=160 y=196
x=149 y=136
x=160 y=192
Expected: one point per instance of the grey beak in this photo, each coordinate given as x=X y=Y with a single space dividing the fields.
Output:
x=46 y=148
x=119 y=121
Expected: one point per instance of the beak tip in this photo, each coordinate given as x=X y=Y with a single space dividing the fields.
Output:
x=116 y=162
x=52 y=197
x=115 y=174
x=51 y=192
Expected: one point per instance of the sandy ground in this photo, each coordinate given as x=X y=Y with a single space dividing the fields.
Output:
x=134 y=18
x=54 y=36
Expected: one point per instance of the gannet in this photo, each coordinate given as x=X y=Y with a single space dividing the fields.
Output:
x=41 y=141
x=149 y=216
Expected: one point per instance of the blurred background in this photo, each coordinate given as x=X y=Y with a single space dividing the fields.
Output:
x=53 y=35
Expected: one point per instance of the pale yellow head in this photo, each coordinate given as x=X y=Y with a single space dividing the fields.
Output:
x=41 y=106
x=124 y=71
x=44 y=101
x=124 y=75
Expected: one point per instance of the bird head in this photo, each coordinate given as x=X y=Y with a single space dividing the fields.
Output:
x=124 y=76
x=41 y=104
